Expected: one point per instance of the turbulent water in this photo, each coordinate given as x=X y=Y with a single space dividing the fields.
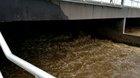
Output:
x=133 y=31
x=80 y=58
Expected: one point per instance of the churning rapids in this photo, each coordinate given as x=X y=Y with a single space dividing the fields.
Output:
x=82 y=57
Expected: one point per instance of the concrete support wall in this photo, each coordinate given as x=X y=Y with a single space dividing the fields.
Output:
x=115 y=31
x=19 y=10
x=103 y=21
x=89 y=11
x=101 y=28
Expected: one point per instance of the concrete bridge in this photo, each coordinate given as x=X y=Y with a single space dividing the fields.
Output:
x=109 y=20
x=73 y=9
x=87 y=10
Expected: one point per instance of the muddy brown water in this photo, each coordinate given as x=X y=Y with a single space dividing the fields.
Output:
x=78 y=58
x=133 y=31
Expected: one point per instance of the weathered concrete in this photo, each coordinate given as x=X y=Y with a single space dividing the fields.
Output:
x=103 y=21
x=17 y=10
x=90 y=11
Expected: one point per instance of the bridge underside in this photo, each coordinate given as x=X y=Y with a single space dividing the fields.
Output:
x=104 y=21
x=115 y=29
x=118 y=23
x=90 y=11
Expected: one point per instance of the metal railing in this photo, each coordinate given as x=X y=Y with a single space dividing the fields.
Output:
x=125 y=3
x=38 y=73
x=117 y=2
x=134 y=3
x=110 y=3
x=1 y=75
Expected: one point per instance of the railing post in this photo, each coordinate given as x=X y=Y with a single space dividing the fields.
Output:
x=122 y=2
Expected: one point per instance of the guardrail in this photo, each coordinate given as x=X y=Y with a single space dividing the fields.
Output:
x=38 y=73
x=99 y=3
x=121 y=3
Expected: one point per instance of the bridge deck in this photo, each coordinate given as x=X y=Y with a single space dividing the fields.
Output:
x=90 y=11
